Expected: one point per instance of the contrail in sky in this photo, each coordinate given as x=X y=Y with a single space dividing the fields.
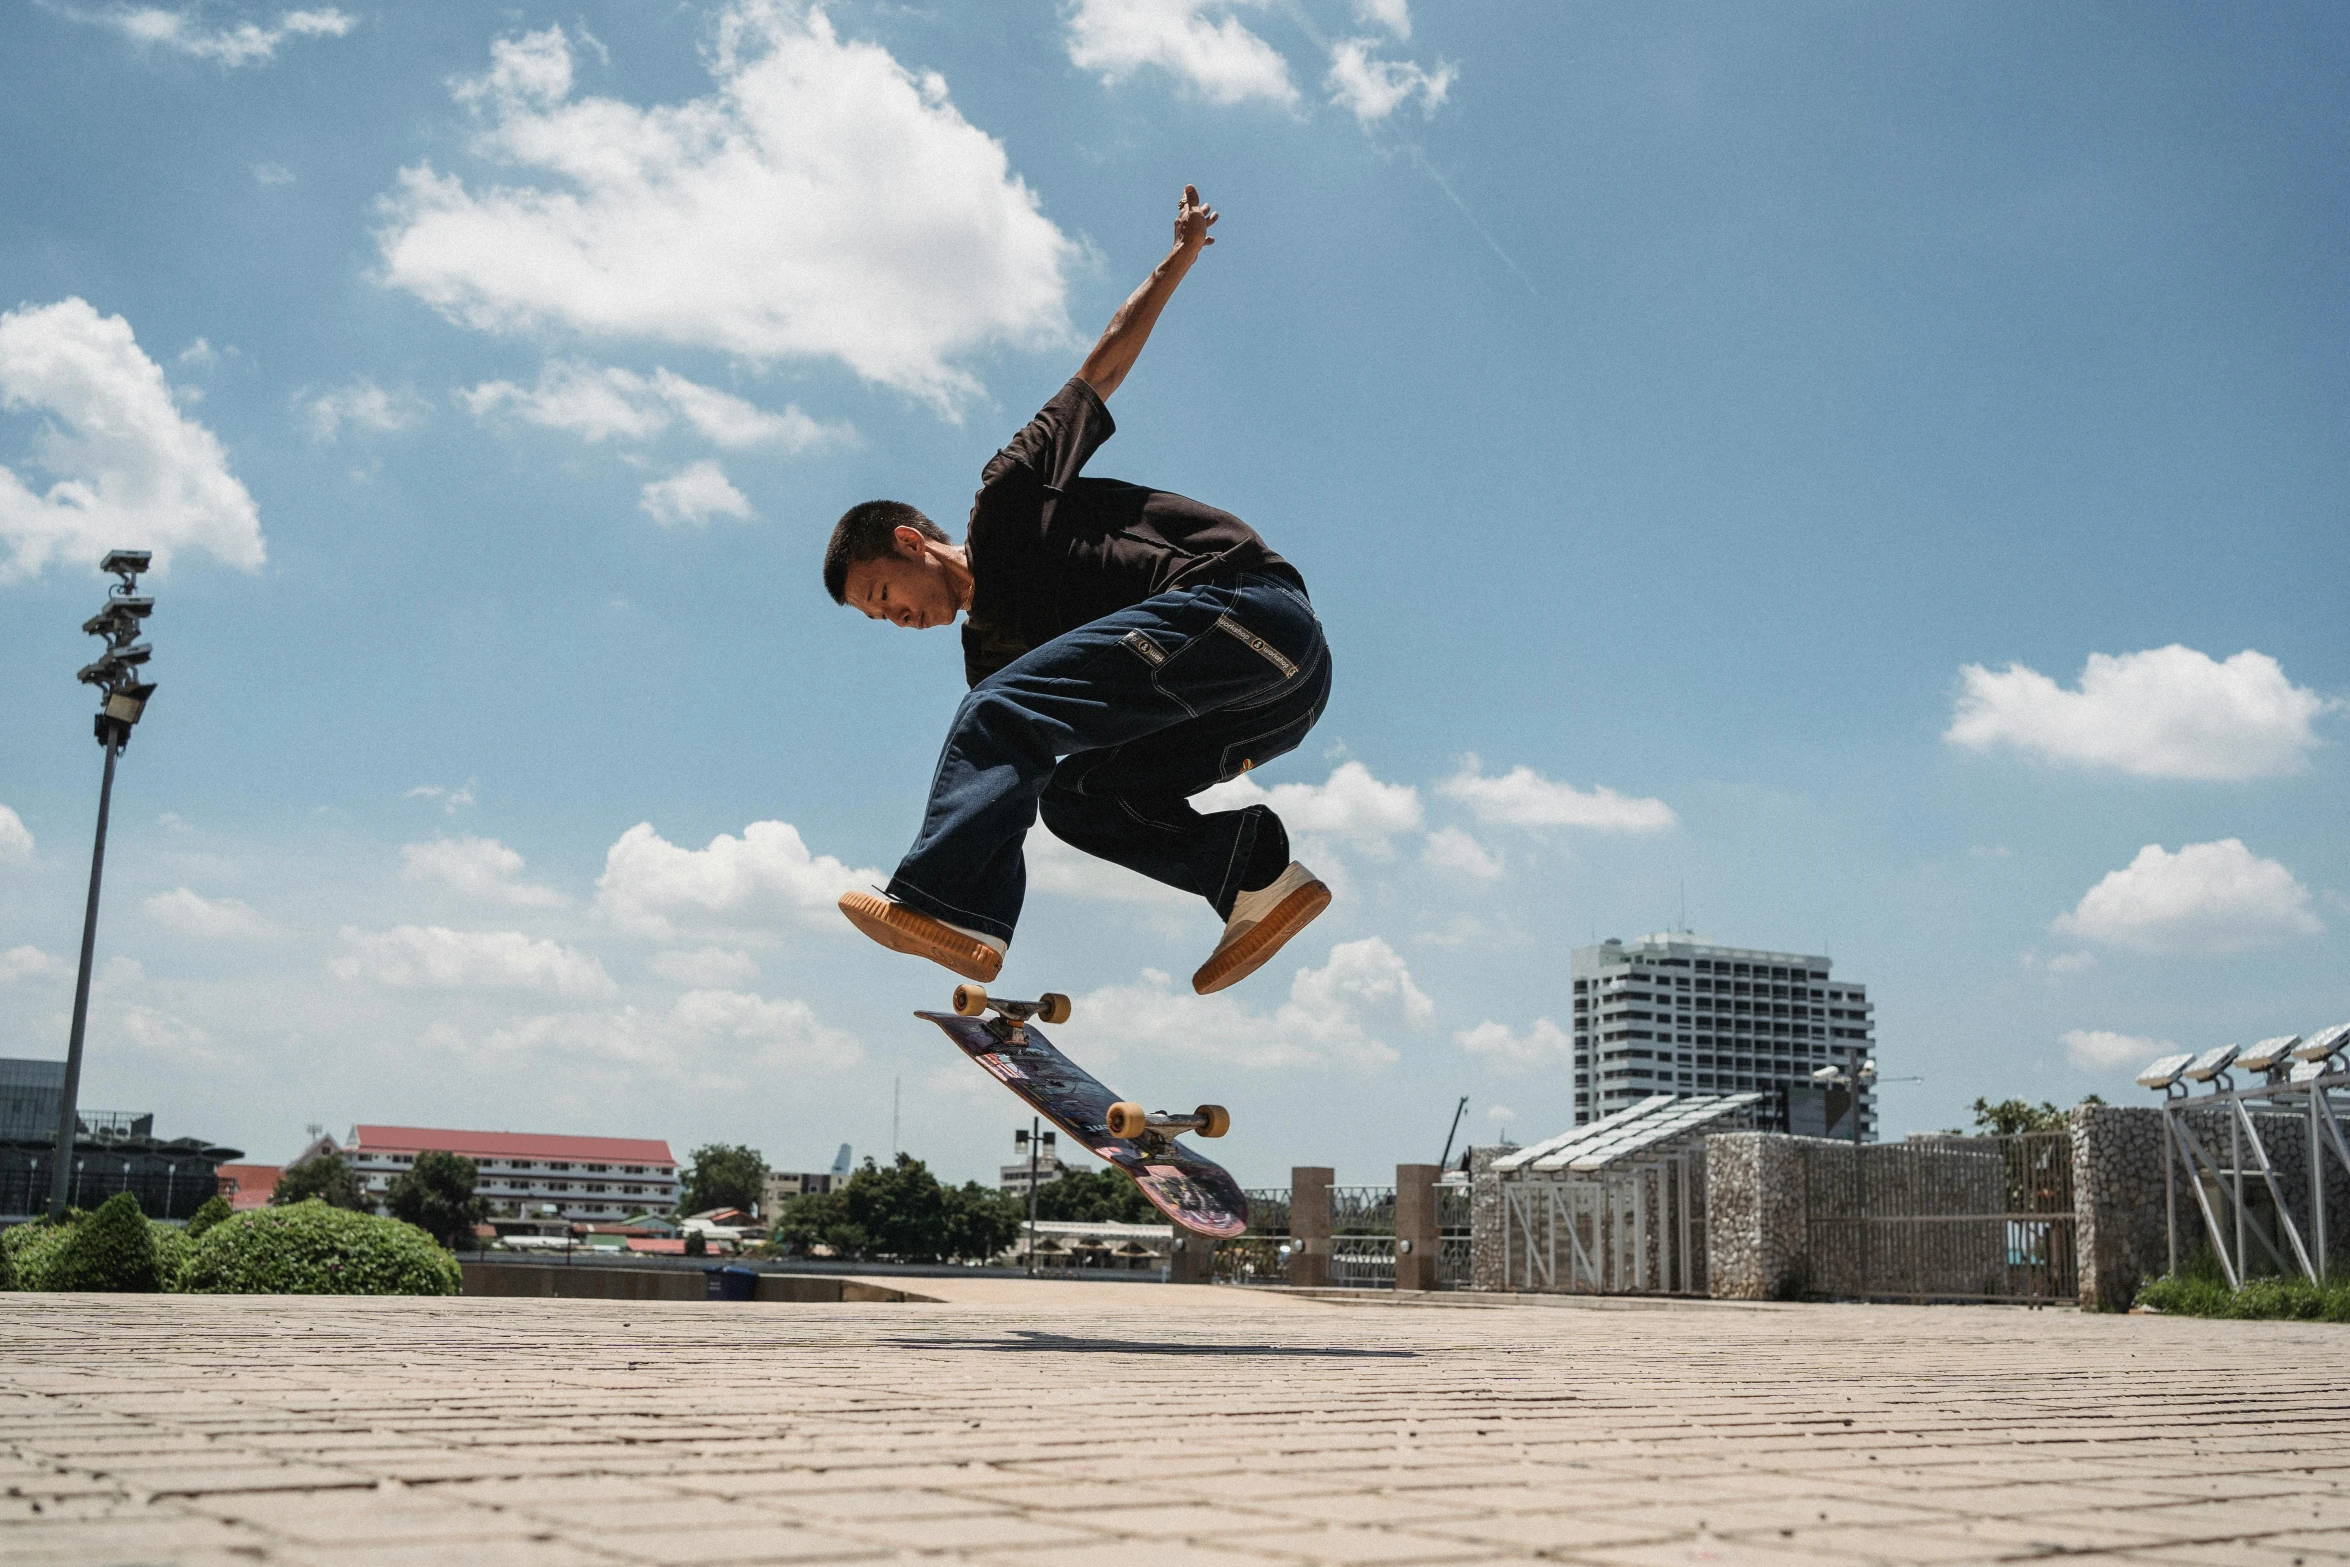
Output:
x=1420 y=159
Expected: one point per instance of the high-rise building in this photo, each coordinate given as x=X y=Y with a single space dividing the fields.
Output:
x=1671 y=1014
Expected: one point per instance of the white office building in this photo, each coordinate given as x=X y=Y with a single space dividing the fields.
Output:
x=1673 y=1014
x=531 y=1175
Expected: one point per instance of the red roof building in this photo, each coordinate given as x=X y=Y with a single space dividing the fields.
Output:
x=248 y=1185
x=532 y=1174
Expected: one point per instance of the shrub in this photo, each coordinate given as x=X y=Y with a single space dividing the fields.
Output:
x=31 y=1245
x=311 y=1248
x=215 y=1209
x=7 y=1267
x=327 y=1177
x=2200 y=1289
x=113 y=1250
x=436 y=1195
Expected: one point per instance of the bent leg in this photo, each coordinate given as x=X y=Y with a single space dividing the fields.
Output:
x=1232 y=651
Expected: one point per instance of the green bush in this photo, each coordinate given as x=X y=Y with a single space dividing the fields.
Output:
x=113 y=1250
x=31 y=1245
x=311 y=1248
x=215 y=1209
x=2200 y=1289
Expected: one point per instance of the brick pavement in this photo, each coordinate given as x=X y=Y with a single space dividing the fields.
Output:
x=1226 y=1429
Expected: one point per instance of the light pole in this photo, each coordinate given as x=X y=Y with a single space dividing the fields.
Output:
x=124 y=698
x=1036 y=1140
x=1858 y=1077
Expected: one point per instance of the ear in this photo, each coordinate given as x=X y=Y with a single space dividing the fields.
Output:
x=909 y=542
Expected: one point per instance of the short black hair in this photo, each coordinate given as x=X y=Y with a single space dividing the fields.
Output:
x=866 y=531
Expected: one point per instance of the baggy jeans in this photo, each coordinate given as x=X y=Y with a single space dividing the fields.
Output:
x=1108 y=730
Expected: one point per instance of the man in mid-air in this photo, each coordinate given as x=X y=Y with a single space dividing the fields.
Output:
x=1126 y=648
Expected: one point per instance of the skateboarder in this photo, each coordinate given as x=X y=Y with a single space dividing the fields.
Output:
x=1126 y=648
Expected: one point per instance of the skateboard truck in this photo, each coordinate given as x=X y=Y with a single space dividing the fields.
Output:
x=1010 y=1023
x=1153 y=1129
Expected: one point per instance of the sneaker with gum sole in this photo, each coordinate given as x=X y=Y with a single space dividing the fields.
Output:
x=903 y=929
x=1261 y=922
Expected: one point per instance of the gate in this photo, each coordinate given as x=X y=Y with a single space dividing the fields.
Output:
x=1943 y=1219
x=1261 y=1254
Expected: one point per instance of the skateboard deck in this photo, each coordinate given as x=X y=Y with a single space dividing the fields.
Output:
x=1196 y=1192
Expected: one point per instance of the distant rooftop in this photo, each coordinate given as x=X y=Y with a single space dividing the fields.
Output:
x=510 y=1145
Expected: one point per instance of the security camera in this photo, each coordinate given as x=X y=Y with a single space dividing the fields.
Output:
x=126 y=563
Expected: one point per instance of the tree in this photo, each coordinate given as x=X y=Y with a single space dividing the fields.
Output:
x=1095 y=1197
x=724 y=1175
x=900 y=1211
x=436 y=1195
x=327 y=1177
x=2010 y=1117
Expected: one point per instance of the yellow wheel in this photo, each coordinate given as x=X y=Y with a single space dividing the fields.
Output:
x=1218 y=1118
x=1128 y=1119
x=1052 y=1007
x=970 y=1000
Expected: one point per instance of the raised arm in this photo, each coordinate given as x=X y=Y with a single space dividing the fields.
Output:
x=1121 y=342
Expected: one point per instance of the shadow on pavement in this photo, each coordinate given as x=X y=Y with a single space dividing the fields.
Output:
x=1022 y=1340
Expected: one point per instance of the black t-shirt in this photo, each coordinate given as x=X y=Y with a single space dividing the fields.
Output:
x=1051 y=550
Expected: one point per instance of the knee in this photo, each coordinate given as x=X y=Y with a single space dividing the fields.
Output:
x=1063 y=810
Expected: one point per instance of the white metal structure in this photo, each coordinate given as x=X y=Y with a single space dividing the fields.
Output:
x=1616 y=1206
x=2308 y=1078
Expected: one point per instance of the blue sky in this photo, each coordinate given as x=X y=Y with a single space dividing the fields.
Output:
x=1867 y=476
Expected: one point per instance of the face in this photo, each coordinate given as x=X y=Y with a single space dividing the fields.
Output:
x=909 y=587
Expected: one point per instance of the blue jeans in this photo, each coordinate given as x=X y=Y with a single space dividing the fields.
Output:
x=1108 y=730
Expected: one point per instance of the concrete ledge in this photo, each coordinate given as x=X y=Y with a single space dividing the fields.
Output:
x=578 y=1283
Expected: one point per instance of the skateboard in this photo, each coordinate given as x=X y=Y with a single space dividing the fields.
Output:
x=1196 y=1192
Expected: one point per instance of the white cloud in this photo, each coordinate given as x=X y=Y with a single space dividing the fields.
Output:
x=362 y=405
x=29 y=963
x=822 y=202
x=197 y=354
x=1371 y=89
x=1329 y=1017
x=247 y=43
x=477 y=867
x=599 y=401
x=451 y=801
x=745 y=888
x=1451 y=849
x=210 y=919
x=272 y=174
x=1394 y=15
x=1201 y=43
x=694 y=494
x=709 y=968
x=434 y=957
x=2169 y=712
x=1522 y=797
x=1054 y=866
x=172 y=1039
x=1544 y=1044
x=2094 y=1049
x=128 y=470
x=1351 y=804
x=1500 y=1115
x=704 y=1033
x=2208 y=897
x=16 y=839
x=2062 y=963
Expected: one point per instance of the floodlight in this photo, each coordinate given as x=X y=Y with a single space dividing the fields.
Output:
x=1827 y=1074
x=2164 y=1072
x=2323 y=1043
x=2211 y=1063
x=2269 y=1054
x=126 y=563
x=126 y=705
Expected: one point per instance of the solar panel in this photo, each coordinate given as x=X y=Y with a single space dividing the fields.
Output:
x=2269 y=1054
x=2306 y=1071
x=1583 y=1134
x=2211 y=1063
x=2323 y=1043
x=1690 y=1116
x=2164 y=1072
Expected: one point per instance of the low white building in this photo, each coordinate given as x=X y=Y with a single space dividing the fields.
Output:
x=531 y=1174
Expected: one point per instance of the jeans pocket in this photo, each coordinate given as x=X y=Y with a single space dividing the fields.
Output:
x=1255 y=750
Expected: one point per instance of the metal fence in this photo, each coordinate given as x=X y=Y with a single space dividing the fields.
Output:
x=1943 y=1219
x=1258 y=1257
x=1453 y=1254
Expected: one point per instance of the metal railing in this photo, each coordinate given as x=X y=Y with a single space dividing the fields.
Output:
x=1257 y=1257
x=1943 y=1219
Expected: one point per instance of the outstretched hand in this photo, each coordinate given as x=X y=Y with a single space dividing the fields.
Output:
x=1193 y=219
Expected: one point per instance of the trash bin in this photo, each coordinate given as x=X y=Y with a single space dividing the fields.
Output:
x=730 y=1283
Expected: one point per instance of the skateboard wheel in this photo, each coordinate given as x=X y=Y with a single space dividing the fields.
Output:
x=1128 y=1119
x=970 y=1000
x=1215 y=1120
x=1053 y=1007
